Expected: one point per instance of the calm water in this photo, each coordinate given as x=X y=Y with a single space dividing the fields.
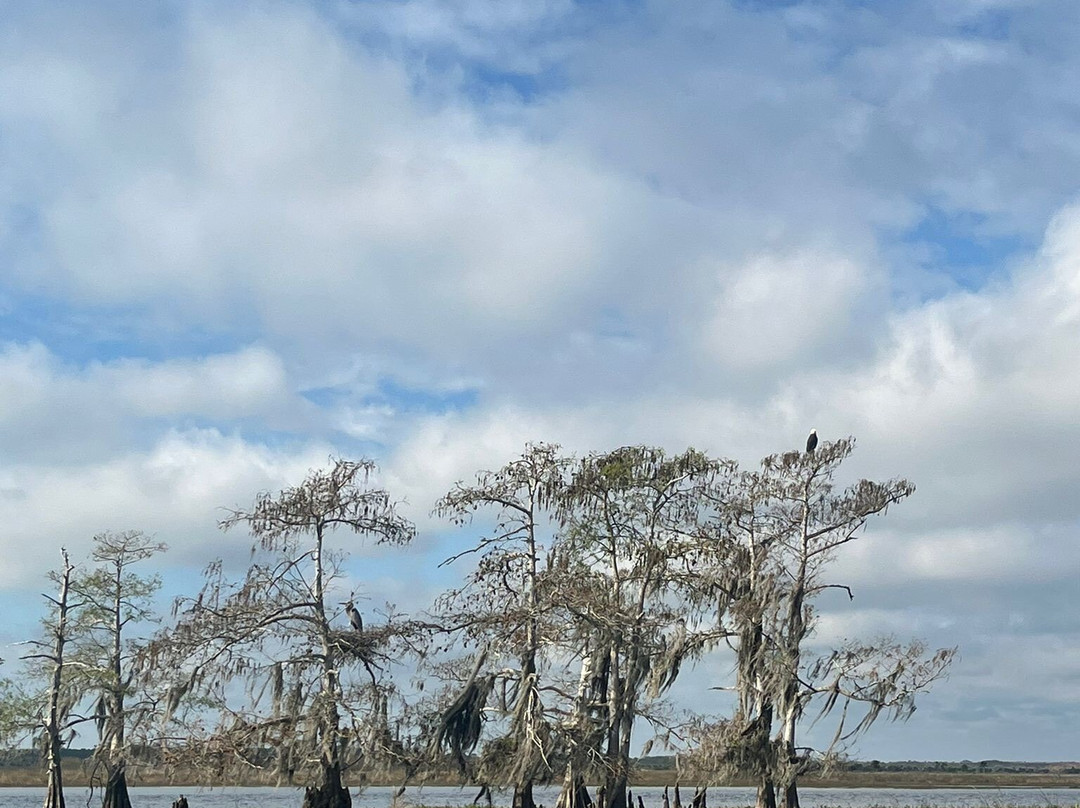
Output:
x=456 y=797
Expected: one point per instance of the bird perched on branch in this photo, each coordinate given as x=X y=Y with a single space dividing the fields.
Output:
x=355 y=619
x=811 y=442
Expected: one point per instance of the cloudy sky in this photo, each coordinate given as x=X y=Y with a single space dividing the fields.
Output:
x=237 y=237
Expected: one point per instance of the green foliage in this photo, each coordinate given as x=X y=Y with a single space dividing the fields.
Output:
x=18 y=711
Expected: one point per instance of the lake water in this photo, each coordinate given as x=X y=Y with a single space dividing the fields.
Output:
x=457 y=797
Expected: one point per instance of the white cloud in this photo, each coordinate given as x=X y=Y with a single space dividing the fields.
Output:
x=834 y=627
x=52 y=408
x=993 y=554
x=978 y=392
x=251 y=381
x=175 y=491
x=284 y=175
x=688 y=236
x=776 y=309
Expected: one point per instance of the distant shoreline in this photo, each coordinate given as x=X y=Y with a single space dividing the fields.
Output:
x=76 y=776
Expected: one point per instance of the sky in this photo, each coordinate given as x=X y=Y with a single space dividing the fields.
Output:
x=237 y=238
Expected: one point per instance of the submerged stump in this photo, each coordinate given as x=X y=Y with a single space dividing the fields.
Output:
x=523 y=796
x=116 y=790
x=331 y=794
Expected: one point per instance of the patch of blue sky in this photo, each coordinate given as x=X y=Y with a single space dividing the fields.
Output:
x=485 y=83
x=388 y=401
x=399 y=397
x=768 y=5
x=366 y=570
x=22 y=222
x=356 y=448
x=83 y=334
x=413 y=399
x=22 y=610
x=252 y=429
x=327 y=396
x=960 y=246
x=21 y=231
x=417 y=563
x=487 y=75
x=370 y=574
x=992 y=23
x=614 y=324
x=75 y=334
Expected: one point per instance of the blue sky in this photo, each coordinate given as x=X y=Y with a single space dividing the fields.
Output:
x=236 y=238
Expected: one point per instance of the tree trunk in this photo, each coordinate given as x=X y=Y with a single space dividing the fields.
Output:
x=523 y=795
x=787 y=763
x=615 y=791
x=791 y=794
x=581 y=795
x=573 y=787
x=787 y=759
x=766 y=793
x=331 y=794
x=54 y=797
x=575 y=794
x=754 y=705
x=116 y=789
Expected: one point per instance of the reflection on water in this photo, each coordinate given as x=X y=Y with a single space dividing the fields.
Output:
x=457 y=797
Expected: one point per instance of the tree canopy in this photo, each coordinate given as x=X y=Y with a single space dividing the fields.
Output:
x=588 y=585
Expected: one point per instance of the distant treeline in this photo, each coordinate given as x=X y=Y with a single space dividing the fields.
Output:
x=29 y=758
x=667 y=763
x=1002 y=766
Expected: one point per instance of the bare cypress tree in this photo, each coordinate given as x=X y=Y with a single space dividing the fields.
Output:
x=812 y=521
x=317 y=697
x=790 y=521
x=106 y=656
x=506 y=606
x=55 y=718
x=732 y=585
x=868 y=679
x=630 y=517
